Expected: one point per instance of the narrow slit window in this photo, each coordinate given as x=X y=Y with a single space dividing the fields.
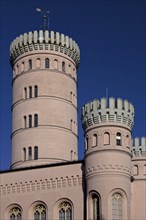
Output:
x=56 y=64
x=29 y=153
x=35 y=120
x=25 y=93
x=47 y=63
x=35 y=91
x=38 y=63
x=63 y=66
x=25 y=122
x=30 y=92
x=29 y=64
x=35 y=152
x=24 y=154
x=30 y=121
x=118 y=139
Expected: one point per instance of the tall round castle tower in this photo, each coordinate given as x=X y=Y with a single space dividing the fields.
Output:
x=107 y=125
x=44 y=110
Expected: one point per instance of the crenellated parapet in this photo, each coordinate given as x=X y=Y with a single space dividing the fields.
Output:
x=108 y=111
x=44 y=40
x=139 y=147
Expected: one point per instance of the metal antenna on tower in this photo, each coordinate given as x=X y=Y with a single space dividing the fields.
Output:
x=45 y=17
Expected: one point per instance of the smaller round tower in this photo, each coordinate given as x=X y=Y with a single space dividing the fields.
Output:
x=107 y=126
x=139 y=178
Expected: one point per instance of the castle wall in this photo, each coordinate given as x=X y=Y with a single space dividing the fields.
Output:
x=47 y=185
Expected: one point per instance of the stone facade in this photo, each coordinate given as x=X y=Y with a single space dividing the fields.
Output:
x=46 y=179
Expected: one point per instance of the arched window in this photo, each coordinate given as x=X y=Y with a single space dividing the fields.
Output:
x=35 y=91
x=35 y=120
x=94 y=140
x=106 y=138
x=127 y=141
x=56 y=64
x=15 y=214
x=25 y=93
x=47 y=63
x=69 y=69
x=22 y=67
x=25 y=122
x=38 y=63
x=35 y=152
x=29 y=153
x=118 y=139
x=135 y=170
x=117 y=207
x=30 y=64
x=40 y=212
x=95 y=207
x=63 y=66
x=30 y=121
x=65 y=211
x=86 y=143
x=24 y=154
x=17 y=72
x=30 y=92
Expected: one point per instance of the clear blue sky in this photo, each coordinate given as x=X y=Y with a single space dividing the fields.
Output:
x=111 y=36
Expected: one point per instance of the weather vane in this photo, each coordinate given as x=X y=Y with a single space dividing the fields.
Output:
x=45 y=17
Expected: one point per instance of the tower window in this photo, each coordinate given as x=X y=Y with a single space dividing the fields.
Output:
x=38 y=63
x=24 y=154
x=117 y=207
x=35 y=91
x=94 y=140
x=65 y=211
x=95 y=207
x=56 y=64
x=135 y=170
x=86 y=143
x=63 y=66
x=29 y=153
x=25 y=122
x=106 y=138
x=35 y=152
x=29 y=64
x=15 y=214
x=47 y=63
x=118 y=139
x=40 y=212
x=22 y=67
x=30 y=121
x=25 y=93
x=30 y=92
x=35 y=120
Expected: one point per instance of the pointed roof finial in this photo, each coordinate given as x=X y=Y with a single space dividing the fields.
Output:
x=45 y=17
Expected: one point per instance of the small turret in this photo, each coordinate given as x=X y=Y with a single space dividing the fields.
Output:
x=139 y=158
x=107 y=125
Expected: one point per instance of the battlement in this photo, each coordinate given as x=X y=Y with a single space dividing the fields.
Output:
x=108 y=110
x=139 y=147
x=44 y=40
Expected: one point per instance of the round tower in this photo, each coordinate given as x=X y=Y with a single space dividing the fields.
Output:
x=44 y=110
x=107 y=126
